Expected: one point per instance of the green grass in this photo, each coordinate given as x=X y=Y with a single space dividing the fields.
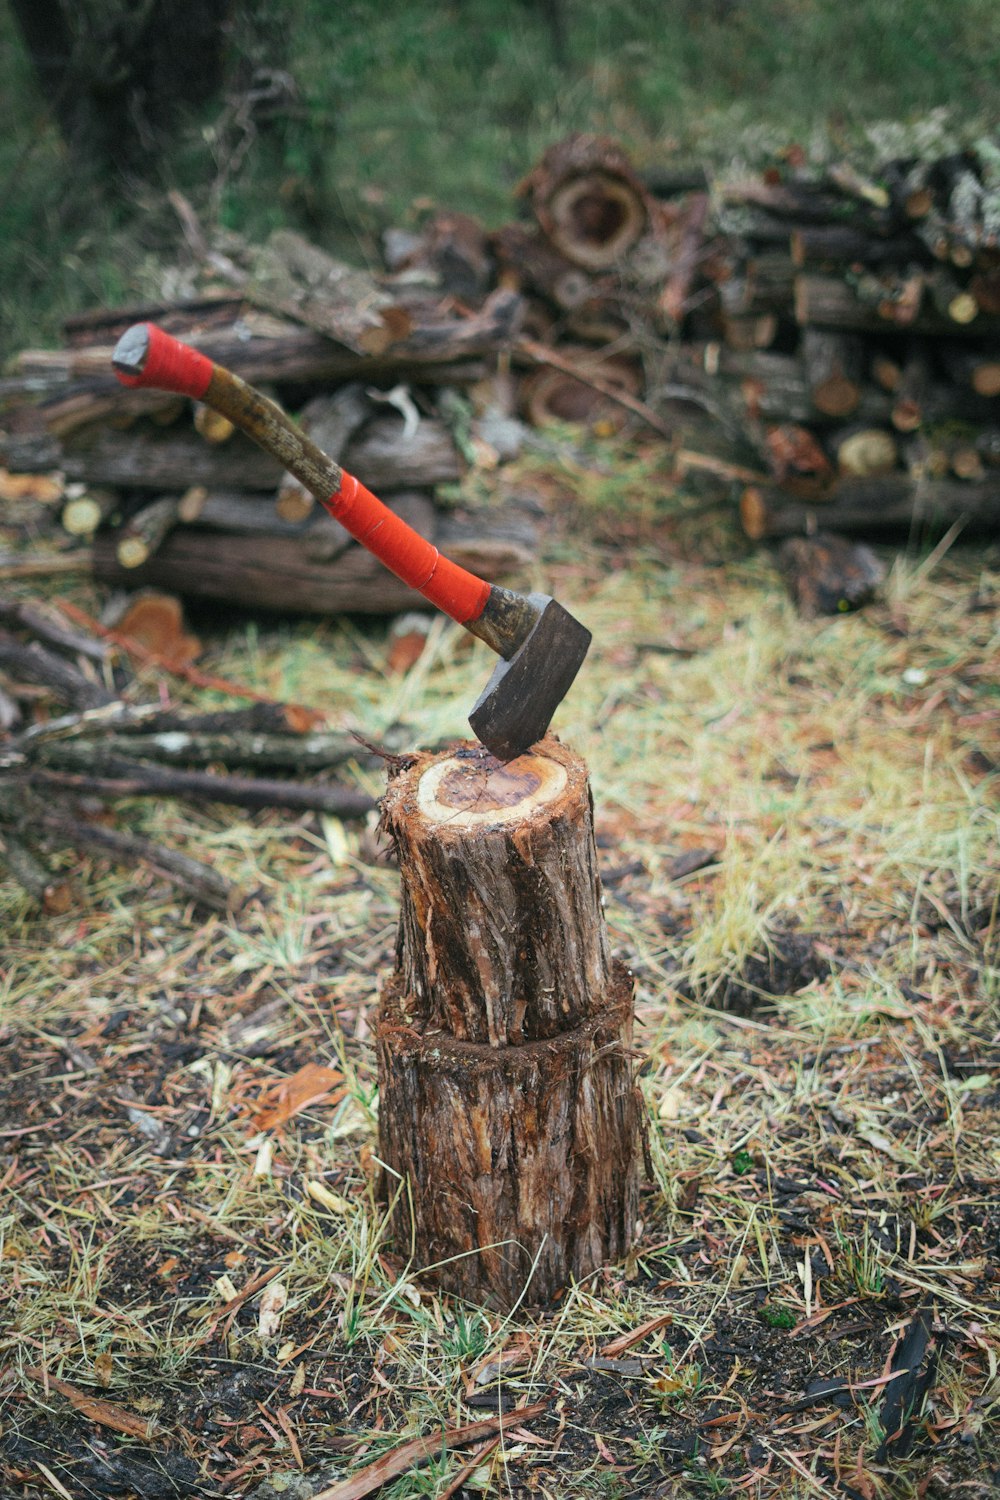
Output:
x=416 y=103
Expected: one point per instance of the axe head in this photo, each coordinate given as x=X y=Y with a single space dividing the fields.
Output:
x=515 y=708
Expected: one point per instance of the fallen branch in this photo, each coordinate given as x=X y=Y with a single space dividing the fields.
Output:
x=125 y=779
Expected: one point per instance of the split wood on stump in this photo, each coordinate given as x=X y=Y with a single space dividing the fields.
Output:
x=507 y=1099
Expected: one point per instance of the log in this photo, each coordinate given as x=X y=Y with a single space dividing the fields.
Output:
x=672 y=302
x=819 y=243
x=442 y=348
x=43 y=668
x=832 y=363
x=762 y=285
x=297 y=279
x=284 y=574
x=527 y=262
x=84 y=512
x=976 y=369
x=451 y=252
x=144 y=531
x=383 y=458
x=556 y=395
x=862 y=452
x=910 y=398
x=504 y=1036
x=828 y=302
x=889 y=504
x=774 y=387
x=588 y=200
x=136 y=779
x=52 y=893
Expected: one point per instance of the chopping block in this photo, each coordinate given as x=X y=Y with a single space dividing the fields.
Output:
x=507 y=1098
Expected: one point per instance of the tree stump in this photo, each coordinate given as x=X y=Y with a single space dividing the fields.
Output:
x=506 y=1084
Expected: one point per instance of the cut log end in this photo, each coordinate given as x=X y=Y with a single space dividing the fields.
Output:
x=481 y=792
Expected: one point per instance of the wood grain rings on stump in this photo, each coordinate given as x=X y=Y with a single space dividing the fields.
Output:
x=505 y=1070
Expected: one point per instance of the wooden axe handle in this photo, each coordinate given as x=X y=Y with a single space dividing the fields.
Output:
x=148 y=356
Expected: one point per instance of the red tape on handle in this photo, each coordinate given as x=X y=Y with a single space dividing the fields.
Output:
x=411 y=557
x=172 y=366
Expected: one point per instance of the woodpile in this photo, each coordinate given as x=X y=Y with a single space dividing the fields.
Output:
x=170 y=497
x=72 y=739
x=834 y=334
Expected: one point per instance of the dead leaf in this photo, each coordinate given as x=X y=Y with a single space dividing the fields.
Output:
x=312 y=1084
x=405 y=651
x=272 y=1306
x=155 y=622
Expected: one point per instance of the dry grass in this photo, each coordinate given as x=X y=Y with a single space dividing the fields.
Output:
x=818 y=1001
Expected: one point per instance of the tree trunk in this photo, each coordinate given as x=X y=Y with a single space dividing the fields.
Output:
x=114 y=75
x=506 y=1092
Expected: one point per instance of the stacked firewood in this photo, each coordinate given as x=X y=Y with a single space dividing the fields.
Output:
x=843 y=329
x=869 y=310
x=169 y=496
x=837 y=332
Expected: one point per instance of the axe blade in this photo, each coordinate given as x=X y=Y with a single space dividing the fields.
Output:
x=515 y=708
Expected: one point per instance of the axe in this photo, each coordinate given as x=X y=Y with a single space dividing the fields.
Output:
x=541 y=645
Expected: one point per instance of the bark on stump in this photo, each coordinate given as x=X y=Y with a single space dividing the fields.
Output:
x=504 y=1040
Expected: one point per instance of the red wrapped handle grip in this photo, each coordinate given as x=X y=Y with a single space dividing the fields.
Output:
x=147 y=356
x=171 y=366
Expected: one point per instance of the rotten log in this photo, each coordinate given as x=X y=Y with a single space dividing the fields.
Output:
x=507 y=1100
x=588 y=200
x=886 y=505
